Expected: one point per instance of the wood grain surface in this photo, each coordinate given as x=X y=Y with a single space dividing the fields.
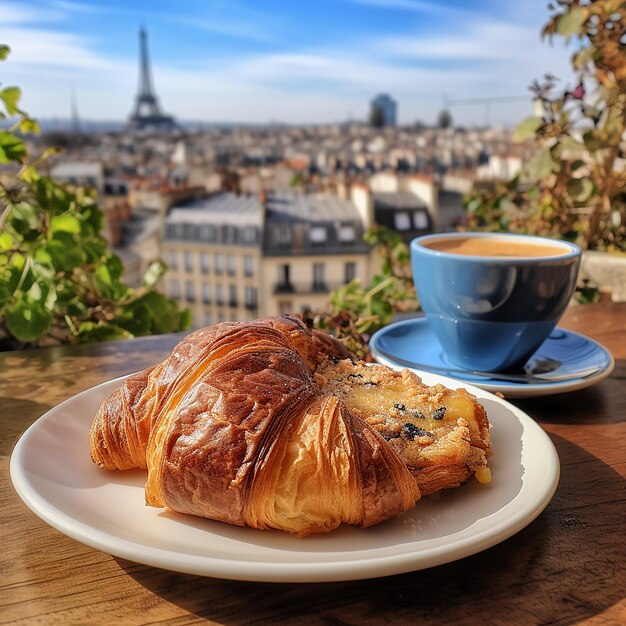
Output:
x=566 y=567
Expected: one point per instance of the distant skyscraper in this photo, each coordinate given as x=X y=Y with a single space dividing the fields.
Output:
x=387 y=107
x=147 y=114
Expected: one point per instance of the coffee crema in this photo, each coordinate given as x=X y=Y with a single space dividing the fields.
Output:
x=494 y=247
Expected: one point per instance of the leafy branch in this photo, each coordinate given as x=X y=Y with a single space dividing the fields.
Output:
x=575 y=184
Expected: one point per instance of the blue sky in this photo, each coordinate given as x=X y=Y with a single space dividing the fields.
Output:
x=270 y=60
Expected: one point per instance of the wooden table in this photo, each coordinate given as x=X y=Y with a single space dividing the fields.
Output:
x=567 y=567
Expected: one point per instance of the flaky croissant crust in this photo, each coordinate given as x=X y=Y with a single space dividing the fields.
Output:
x=231 y=426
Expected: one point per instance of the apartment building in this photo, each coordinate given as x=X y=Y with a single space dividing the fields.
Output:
x=238 y=257
x=312 y=244
x=212 y=246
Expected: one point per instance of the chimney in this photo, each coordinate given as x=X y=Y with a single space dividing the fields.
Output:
x=362 y=198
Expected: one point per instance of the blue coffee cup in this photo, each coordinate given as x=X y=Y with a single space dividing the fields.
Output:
x=491 y=308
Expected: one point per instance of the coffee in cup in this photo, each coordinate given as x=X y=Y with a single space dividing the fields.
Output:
x=492 y=299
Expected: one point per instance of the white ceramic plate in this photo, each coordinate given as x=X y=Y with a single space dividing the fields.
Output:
x=52 y=472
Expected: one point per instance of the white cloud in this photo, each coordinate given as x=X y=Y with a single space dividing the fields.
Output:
x=44 y=47
x=336 y=67
x=482 y=40
x=21 y=13
x=510 y=54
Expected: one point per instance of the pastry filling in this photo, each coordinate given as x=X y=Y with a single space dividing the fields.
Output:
x=441 y=434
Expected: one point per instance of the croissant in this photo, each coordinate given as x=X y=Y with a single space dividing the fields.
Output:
x=269 y=424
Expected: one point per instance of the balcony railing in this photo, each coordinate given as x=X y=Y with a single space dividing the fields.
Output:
x=305 y=288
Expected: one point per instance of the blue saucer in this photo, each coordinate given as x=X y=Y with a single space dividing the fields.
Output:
x=413 y=340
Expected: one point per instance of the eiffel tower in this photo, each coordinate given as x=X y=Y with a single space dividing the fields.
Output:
x=147 y=115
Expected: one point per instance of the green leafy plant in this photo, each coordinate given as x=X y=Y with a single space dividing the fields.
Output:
x=59 y=281
x=574 y=186
x=355 y=312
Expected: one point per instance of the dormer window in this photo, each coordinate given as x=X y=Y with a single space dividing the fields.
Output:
x=420 y=220
x=318 y=234
x=175 y=231
x=346 y=233
x=249 y=234
x=207 y=232
x=402 y=220
x=229 y=234
x=282 y=234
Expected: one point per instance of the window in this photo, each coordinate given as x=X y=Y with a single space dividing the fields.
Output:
x=175 y=231
x=231 y=264
x=248 y=269
x=232 y=296
x=229 y=234
x=219 y=264
x=221 y=317
x=208 y=318
x=346 y=233
x=174 y=288
x=172 y=259
x=318 y=277
x=349 y=272
x=188 y=262
x=190 y=292
x=282 y=234
x=402 y=220
x=204 y=262
x=219 y=294
x=250 y=298
x=248 y=234
x=317 y=234
x=420 y=220
x=207 y=232
x=206 y=293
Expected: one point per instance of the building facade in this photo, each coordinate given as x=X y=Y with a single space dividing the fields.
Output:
x=239 y=257
x=213 y=249
x=312 y=244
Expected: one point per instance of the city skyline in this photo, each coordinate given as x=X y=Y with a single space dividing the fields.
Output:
x=242 y=62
